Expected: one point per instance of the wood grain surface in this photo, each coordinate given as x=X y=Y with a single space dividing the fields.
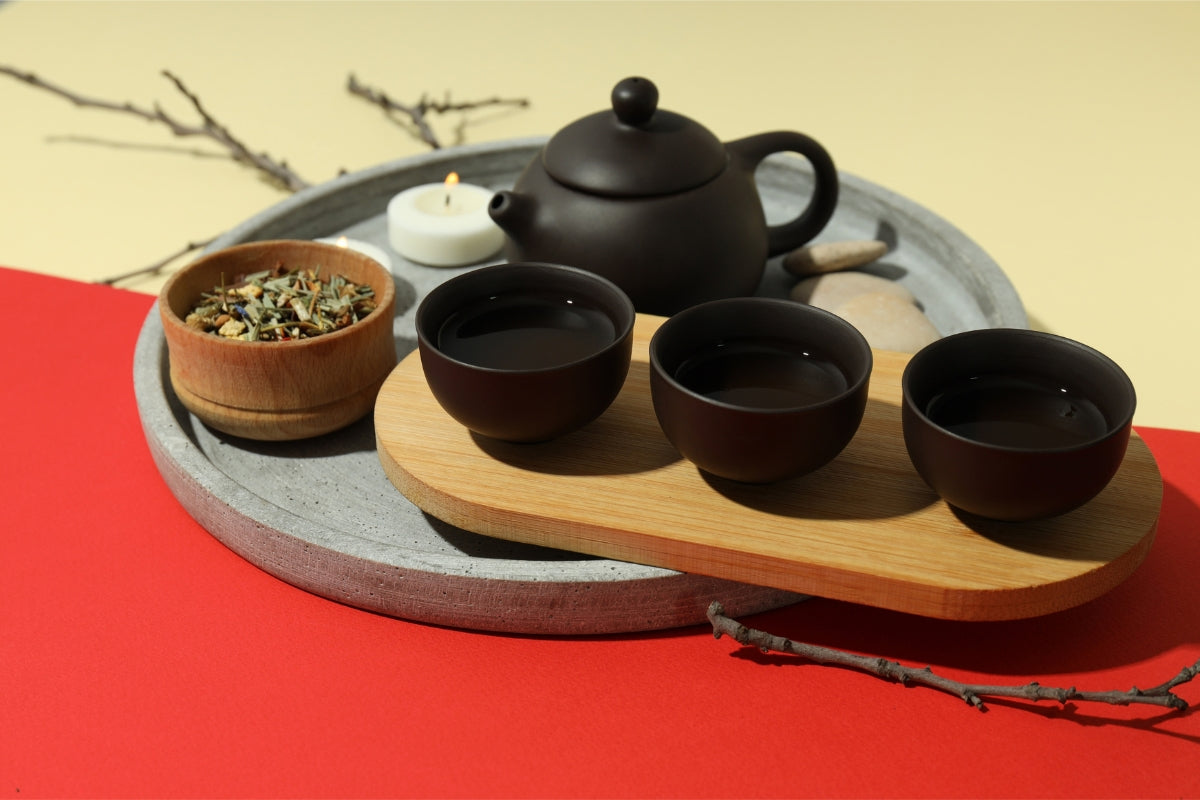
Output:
x=865 y=528
x=278 y=390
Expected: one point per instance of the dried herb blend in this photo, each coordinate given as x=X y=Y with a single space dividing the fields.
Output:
x=279 y=304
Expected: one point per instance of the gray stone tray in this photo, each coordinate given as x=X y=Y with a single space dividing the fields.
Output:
x=321 y=515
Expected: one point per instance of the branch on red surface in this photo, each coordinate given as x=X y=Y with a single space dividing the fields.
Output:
x=972 y=694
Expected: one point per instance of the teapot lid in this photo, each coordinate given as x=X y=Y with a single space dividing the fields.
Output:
x=634 y=150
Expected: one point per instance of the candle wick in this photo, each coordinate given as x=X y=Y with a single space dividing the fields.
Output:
x=447 y=198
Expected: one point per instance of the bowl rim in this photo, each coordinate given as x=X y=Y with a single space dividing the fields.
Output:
x=827 y=317
x=1116 y=428
x=623 y=329
x=384 y=294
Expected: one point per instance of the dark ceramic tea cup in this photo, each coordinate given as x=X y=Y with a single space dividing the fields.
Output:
x=1013 y=424
x=758 y=390
x=525 y=352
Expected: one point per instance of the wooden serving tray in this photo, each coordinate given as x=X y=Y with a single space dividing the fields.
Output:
x=865 y=528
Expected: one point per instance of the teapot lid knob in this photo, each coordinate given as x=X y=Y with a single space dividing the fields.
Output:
x=634 y=100
x=636 y=149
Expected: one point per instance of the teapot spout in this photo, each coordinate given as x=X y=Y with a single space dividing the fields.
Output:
x=513 y=212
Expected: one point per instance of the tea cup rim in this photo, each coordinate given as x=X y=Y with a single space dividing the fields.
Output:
x=854 y=383
x=1113 y=427
x=623 y=328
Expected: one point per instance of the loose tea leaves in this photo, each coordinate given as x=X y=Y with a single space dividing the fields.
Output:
x=280 y=304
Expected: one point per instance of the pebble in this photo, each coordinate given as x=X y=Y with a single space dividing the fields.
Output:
x=819 y=259
x=830 y=291
x=888 y=321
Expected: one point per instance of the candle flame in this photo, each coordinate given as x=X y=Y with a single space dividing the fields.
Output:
x=451 y=182
x=343 y=241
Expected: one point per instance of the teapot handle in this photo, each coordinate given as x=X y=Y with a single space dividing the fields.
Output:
x=790 y=235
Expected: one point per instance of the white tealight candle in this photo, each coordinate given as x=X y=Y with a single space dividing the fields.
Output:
x=443 y=224
x=366 y=248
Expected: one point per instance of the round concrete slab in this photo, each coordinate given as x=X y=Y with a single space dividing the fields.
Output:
x=321 y=515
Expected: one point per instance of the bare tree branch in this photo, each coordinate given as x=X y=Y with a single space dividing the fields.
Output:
x=157 y=266
x=278 y=172
x=972 y=694
x=415 y=117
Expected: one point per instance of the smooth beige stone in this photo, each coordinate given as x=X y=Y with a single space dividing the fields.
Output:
x=830 y=291
x=818 y=259
x=889 y=322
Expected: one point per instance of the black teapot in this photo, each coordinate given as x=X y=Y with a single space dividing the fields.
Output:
x=654 y=202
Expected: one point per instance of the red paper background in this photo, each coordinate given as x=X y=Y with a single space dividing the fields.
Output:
x=140 y=658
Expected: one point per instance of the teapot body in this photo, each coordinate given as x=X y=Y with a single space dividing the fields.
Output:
x=667 y=252
x=657 y=204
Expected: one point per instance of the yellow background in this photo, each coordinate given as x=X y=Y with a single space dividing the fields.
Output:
x=1061 y=137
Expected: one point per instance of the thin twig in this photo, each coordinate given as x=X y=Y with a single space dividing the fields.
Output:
x=157 y=266
x=278 y=172
x=972 y=694
x=416 y=115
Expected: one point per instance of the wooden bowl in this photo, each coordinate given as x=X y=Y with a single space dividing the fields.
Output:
x=278 y=390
